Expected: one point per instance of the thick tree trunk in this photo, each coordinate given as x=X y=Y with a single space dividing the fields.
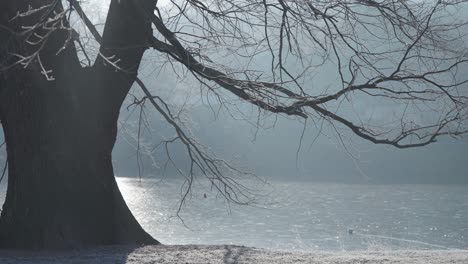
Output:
x=61 y=188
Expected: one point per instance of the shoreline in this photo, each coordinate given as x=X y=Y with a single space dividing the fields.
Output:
x=227 y=254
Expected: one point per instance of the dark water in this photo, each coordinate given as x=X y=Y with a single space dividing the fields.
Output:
x=306 y=215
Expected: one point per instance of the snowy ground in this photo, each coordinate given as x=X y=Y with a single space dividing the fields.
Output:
x=226 y=255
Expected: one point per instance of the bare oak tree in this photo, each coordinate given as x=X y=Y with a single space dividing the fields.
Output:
x=59 y=104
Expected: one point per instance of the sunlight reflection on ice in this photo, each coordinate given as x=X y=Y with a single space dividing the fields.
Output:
x=307 y=215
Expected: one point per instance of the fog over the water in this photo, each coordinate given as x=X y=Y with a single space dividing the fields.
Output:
x=281 y=148
x=275 y=153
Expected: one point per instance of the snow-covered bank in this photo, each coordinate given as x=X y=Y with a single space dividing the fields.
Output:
x=227 y=255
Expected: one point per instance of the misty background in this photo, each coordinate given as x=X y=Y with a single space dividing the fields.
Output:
x=277 y=151
x=270 y=146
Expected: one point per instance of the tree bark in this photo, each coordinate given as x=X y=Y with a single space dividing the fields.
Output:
x=60 y=133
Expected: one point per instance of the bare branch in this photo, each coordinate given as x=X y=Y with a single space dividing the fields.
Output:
x=212 y=168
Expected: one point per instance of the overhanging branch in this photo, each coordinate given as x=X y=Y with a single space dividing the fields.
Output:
x=277 y=98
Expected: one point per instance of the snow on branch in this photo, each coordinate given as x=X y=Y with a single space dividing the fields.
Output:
x=49 y=19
